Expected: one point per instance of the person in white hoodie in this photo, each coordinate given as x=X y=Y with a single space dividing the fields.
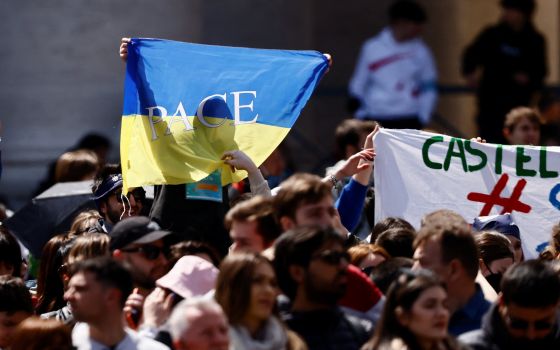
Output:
x=394 y=82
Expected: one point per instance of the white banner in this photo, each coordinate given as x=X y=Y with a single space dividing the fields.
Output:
x=418 y=172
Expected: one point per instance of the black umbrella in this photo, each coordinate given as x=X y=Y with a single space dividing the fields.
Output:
x=50 y=213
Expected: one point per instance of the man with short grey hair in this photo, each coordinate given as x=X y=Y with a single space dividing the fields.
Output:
x=199 y=324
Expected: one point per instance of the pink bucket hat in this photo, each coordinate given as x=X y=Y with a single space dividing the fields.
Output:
x=191 y=276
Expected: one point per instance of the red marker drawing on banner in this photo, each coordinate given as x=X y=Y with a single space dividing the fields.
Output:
x=509 y=205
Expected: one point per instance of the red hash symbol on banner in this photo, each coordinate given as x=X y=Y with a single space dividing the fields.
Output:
x=509 y=204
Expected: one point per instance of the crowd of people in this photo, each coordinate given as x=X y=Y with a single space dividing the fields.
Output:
x=295 y=277
x=294 y=262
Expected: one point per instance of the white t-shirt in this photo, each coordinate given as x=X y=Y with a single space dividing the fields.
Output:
x=132 y=341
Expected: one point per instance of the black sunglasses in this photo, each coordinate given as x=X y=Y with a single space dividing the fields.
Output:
x=521 y=324
x=332 y=257
x=151 y=252
x=138 y=193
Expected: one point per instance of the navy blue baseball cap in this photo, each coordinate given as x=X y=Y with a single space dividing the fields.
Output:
x=502 y=223
x=109 y=184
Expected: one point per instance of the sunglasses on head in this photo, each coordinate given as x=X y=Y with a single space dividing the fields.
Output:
x=521 y=324
x=150 y=252
x=332 y=257
x=138 y=193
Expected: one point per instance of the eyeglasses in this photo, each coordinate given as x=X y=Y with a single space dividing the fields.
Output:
x=332 y=257
x=138 y=193
x=151 y=252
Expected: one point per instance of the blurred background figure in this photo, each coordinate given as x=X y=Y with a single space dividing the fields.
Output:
x=278 y=166
x=552 y=251
x=37 y=334
x=50 y=283
x=366 y=256
x=77 y=165
x=54 y=274
x=522 y=126
x=385 y=273
x=86 y=221
x=549 y=108
x=15 y=306
x=506 y=64
x=394 y=81
x=90 y=149
x=350 y=136
x=251 y=225
x=10 y=254
x=200 y=249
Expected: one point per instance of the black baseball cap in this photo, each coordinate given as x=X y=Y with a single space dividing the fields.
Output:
x=137 y=229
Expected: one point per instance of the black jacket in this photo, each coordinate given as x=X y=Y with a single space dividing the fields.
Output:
x=199 y=220
x=328 y=329
x=494 y=336
x=501 y=52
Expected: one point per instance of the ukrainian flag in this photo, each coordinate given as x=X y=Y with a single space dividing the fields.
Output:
x=185 y=104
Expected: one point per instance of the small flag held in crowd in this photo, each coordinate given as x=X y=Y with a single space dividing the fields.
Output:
x=185 y=104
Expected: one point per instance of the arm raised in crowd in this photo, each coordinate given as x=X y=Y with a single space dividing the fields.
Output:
x=239 y=160
x=350 y=203
x=356 y=164
x=123 y=49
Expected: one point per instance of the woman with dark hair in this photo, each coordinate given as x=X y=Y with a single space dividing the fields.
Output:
x=198 y=248
x=10 y=254
x=415 y=315
x=387 y=224
x=50 y=286
x=496 y=256
x=75 y=249
x=250 y=306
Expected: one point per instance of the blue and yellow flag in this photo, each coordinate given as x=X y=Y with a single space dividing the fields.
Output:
x=185 y=104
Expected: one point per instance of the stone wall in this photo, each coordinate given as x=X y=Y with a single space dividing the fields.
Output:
x=60 y=75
